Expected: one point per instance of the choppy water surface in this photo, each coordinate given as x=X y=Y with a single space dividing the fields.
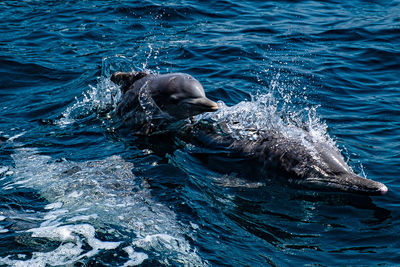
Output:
x=75 y=190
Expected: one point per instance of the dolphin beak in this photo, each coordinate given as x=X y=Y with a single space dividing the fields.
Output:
x=351 y=183
x=202 y=104
x=363 y=185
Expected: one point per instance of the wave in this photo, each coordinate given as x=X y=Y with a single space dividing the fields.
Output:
x=94 y=207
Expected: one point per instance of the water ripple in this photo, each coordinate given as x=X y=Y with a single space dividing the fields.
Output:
x=335 y=61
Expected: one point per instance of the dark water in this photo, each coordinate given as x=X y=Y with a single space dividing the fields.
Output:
x=76 y=191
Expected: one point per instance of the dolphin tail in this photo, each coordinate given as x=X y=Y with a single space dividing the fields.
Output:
x=126 y=79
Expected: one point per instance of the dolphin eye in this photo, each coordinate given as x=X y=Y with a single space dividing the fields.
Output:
x=174 y=99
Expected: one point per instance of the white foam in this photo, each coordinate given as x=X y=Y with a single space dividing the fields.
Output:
x=73 y=237
x=194 y=226
x=3 y=169
x=75 y=194
x=55 y=214
x=135 y=258
x=55 y=205
x=100 y=195
x=65 y=254
x=176 y=248
x=12 y=138
x=83 y=218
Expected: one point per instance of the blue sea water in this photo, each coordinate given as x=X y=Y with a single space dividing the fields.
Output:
x=76 y=191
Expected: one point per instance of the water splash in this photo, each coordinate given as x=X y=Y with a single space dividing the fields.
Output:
x=274 y=112
x=96 y=100
x=151 y=109
x=105 y=95
x=102 y=97
x=247 y=119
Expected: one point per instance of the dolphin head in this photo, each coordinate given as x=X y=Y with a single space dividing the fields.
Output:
x=183 y=97
x=331 y=172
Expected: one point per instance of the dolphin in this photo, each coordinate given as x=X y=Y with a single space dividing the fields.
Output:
x=305 y=162
x=177 y=95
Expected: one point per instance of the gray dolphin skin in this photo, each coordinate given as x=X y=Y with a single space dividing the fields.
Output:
x=179 y=95
x=316 y=166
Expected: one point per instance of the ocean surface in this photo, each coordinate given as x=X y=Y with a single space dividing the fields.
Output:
x=76 y=190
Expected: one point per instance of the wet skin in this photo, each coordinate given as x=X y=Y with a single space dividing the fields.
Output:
x=181 y=96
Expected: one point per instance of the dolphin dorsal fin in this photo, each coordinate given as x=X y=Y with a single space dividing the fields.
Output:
x=126 y=79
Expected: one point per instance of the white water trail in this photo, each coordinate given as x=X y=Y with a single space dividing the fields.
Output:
x=90 y=199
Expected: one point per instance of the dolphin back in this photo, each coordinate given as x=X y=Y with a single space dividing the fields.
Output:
x=126 y=79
